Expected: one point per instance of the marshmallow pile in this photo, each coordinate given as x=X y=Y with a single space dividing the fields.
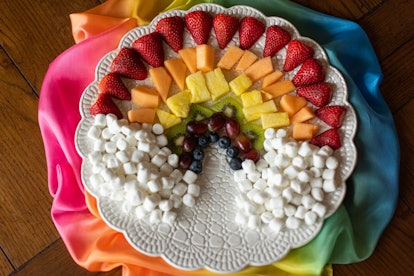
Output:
x=287 y=186
x=132 y=164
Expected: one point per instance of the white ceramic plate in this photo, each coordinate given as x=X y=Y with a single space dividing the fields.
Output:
x=207 y=236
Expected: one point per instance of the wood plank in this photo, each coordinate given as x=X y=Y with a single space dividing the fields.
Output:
x=5 y=266
x=56 y=260
x=24 y=196
x=34 y=37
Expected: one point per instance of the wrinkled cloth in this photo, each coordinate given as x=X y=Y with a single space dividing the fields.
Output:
x=349 y=235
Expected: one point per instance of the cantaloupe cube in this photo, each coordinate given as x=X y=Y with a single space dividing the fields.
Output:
x=254 y=112
x=178 y=71
x=144 y=96
x=259 y=69
x=274 y=120
x=247 y=59
x=205 y=57
x=141 y=115
x=230 y=57
x=167 y=119
x=280 y=88
x=304 y=131
x=240 y=84
x=189 y=57
x=161 y=80
x=196 y=83
x=292 y=104
x=179 y=104
x=250 y=98
x=304 y=114
x=216 y=83
x=272 y=78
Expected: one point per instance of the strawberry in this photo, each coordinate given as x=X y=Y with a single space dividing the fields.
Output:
x=297 y=52
x=318 y=94
x=225 y=26
x=128 y=64
x=310 y=72
x=329 y=138
x=333 y=115
x=112 y=84
x=105 y=105
x=276 y=39
x=251 y=29
x=150 y=48
x=172 y=30
x=199 y=25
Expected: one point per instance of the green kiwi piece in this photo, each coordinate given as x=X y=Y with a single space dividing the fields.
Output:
x=255 y=133
x=231 y=107
x=175 y=137
x=199 y=112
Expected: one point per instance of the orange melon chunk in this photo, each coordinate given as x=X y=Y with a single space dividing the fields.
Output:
x=141 y=115
x=303 y=115
x=178 y=71
x=280 y=88
x=144 y=96
x=247 y=59
x=161 y=80
x=189 y=57
x=272 y=78
x=230 y=57
x=292 y=104
x=304 y=131
x=259 y=69
x=205 y=57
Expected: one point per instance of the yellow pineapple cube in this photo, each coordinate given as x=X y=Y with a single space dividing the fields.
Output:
x=216 y=83
x=179 y=104
x=250 y=98
x=196 y=83
x=274 y=120
x=254 y=112
x=240 y=84
x=167 y=119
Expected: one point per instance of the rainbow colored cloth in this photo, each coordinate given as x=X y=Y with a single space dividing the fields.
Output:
x=349 y=235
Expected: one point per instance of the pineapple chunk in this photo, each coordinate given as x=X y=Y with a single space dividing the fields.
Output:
x=167 y=119
x=275 y=120
x=240 y=84
x=254 y=112
x=216 y=83
x=196 y=83
x=250 y=98
x=179 y=104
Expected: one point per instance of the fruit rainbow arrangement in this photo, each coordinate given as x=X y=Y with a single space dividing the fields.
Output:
x=215 y=84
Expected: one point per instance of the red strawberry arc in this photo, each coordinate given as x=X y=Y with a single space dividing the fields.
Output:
x=105 y=105
x=318 y=94
x=333 y=115
x=310 y=72
x=150 y=48
x=225 y=26
x=329 y=138
x=276 y=39
x=199 y=24
x=250 y=30
x=128 y=64
x=172 y=30
x=112 y=84
x=297 y=52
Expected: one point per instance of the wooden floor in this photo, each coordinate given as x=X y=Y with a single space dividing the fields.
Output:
x=33 y=33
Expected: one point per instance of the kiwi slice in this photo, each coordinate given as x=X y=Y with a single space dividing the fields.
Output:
x=231 y=107
x=175 y=137
x=255 y=133
x=199 y=112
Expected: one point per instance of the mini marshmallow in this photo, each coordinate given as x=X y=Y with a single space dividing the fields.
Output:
x=296 y=200
x=121 y=144
x=173 y=160
x=167 y=182
x=254 y=176
x=130 y=168
x=157 y=129
x=278 y=213
x=329 y=185
x=154 y=186
x=116 y=183
x=154 y=150
x=260 y=184
x=304 y=176
x=193 y=189
x=308 y=201
x=267 y=145
x=166 y=205
x=151 y=201
x=278 y=143
x=250 y=194
x=276 y=225
x=155 y=216
x=127 y=131
x=273 y=191
x=98 y=168
x=138 y=156
x=270 y=157
x=278 y=180
x=95 y=157
x=105 y=190
x=269 y=133
x=332 y=163
x=318 y=161
x=176 y=175
x=143 y=174
x=169 y=217
x=94 y=132
x=297 y=186
x=239 y=175
x=147 y=127
x=316 y=182
x=110 y=147
x=188 y=200
x=253 y=221
x=266 y=217
x=135 y=197
x=305 y=149
x=141 y=135
x=290 y=210
x=292 y=222
x=161 y=140
x=95 y=180
x=325 y=151
x=252 y=208
x=177 y=200
x=291 y=149
x=299 y=162
x=245 y=185
x=99 y=145
x=241 y=218
x=115 y=127
x=291 y=172
x=166 y=169
x=140 y=212
x=310 y=217
x=328 y=174
x=280 y=133
x=288 y=194
x=190 y=177
x=300 y=212
x=317 y=194
x=319 y=209
x=260 y=197
x=261 y=165
x=107 y=174
x=317 y=172
x=144 y=146
x=165 y=193
x=106 y=134
x=275 y=203
x=180 y=189
x=249 y=166
x=100 y=120
x=122 y=156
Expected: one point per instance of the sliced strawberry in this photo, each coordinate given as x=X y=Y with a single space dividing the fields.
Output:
x=112 y=84
x=333 y=115
x=276 y=39
x=225 y=26
x=128 y=64
x=199 y=25
x=172 y=30
x=105 y=105
x=251 y=29
x=297 y=52
x=329 y=138
x=318 y=94
x=310 y=72
x=150 y=48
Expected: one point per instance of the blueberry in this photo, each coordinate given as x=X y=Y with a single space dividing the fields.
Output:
x=232 y=151
x=203 y=141
x=198 y=154
x=196 y=166
x=224 y=142
x=214 y=137
x=235 y=163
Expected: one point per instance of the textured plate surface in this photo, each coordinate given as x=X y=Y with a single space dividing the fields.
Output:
x=206 y=236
